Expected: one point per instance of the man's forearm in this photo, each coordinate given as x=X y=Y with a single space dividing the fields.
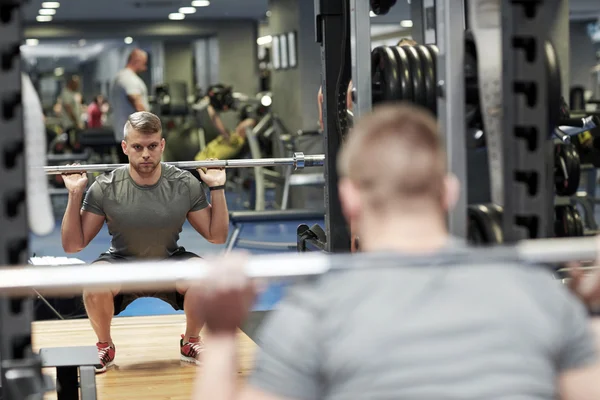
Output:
x=219 y=221
x=71 y=230
x=217 y=379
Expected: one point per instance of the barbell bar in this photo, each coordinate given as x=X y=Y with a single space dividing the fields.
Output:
x=298 y=161
x=23 y=281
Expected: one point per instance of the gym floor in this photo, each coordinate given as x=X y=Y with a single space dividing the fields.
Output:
x=50 y=246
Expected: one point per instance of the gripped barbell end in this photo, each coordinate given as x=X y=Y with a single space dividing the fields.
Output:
x=299 y=160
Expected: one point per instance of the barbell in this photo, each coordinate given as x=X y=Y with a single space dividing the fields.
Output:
x=23 y=281
x=298 y=161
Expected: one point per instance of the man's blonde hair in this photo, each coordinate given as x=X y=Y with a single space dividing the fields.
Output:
x=143 y=122
x=394 y=155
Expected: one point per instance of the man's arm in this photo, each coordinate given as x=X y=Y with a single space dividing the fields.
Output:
x=212 y=222
x=217 y=122
x=137 y=102
x=79 y=227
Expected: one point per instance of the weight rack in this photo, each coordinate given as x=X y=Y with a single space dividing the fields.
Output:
x=19 y=368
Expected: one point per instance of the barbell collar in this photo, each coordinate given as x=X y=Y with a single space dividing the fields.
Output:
x=23 y=281
x=299 y=161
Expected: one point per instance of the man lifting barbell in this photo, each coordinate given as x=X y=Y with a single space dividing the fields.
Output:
x=145 y=205
x=500 y=330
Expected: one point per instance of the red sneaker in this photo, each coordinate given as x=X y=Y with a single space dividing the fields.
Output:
x=191 y=351
x=106 y=354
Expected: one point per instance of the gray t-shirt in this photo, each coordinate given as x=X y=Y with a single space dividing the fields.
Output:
x=424 y=332
x=145 y=221
x=126 y=83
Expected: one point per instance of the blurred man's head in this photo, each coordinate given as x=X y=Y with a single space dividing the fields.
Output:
x=393 y=164
x=138 y=61
x=144 y=143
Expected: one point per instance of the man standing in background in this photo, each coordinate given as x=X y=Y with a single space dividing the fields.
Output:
x=129 y=93
x=71 y=109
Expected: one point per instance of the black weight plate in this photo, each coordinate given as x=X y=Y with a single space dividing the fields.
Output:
x=566 y=185
x=561 y=223
x=428 y=77
x=385 y=76
x=578 y=222
x=416 y=72
x=484 y=225
x=571 y=224
x=404 y=74
x=433 y=50
x=554 y=86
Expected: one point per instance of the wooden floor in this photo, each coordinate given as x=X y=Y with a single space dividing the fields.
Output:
x=147 y=358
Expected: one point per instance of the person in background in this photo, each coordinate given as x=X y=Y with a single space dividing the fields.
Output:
x=95 y=113
x=70 y=99
x=129 y=93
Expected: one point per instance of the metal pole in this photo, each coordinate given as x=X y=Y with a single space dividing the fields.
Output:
x=299 y=161
x=360 y=52
x=451 y=103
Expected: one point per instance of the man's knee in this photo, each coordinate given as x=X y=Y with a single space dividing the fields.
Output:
x=95 y=298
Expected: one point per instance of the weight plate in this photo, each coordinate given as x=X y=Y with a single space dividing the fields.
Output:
x=571 y=224
x=385 y=77
x=578 y=222
x=554 y=86
x=567 y=167
x=433 y=50
x=561 y=223
x=484 y=224
x=428 y=77
x=404 y=74
x=416 y=72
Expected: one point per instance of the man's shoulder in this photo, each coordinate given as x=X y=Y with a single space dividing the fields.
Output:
x=178 y=175
x=110 y=178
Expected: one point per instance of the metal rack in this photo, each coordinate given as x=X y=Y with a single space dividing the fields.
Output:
x=20 y=370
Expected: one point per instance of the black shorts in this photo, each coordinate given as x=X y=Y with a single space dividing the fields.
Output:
x=174 y=298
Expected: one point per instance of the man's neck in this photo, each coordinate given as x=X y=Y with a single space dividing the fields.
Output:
x=408 y=234
x=146 y=180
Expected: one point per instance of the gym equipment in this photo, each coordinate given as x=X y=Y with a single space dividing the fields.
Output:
x=299 y=161
x=239 y=218
x=146 y=275
x=310 y=239
x=565 y=225
x=567 y=169
x=382 y=7
x=485 y=224
x=221 y=97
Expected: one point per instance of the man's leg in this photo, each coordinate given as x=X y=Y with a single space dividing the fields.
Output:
x=191 y=344
x=100 y=308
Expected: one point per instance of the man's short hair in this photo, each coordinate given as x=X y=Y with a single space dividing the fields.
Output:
x=395 y=154
x=143 y=122
x=406 y=42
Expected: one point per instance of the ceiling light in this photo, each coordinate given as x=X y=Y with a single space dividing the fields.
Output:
x=407 y=23
x=269 y=13
x=264 y=40
x=176 y=16
x=59 y=71
x=43 y=18
x=50 y=4
x=200 y=3
x=32 y=42
x=128 y=40
x=372 y=14
x=187 y=10
x=47 y=11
